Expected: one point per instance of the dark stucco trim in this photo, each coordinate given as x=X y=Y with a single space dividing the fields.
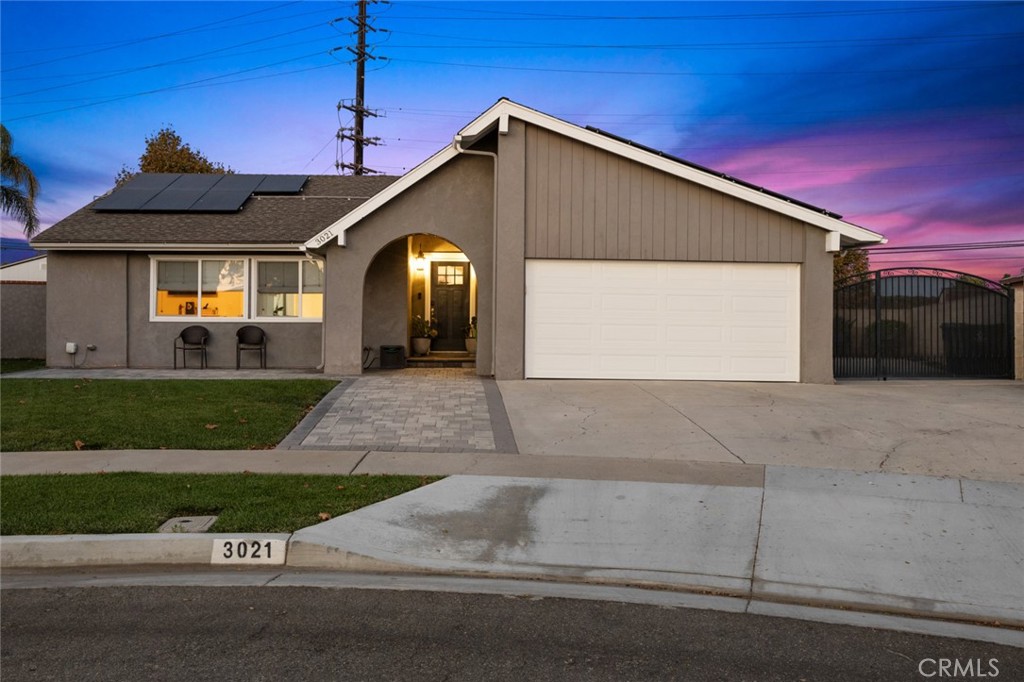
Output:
x=501 y=427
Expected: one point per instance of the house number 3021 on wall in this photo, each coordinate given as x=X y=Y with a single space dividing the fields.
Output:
x=247 y=551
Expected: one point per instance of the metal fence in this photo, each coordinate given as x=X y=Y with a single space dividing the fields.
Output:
x=916 y=322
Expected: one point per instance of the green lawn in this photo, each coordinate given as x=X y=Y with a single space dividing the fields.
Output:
x=139 y=503
x=109 y=414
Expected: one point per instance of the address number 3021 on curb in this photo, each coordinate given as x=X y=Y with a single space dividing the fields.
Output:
x=248 y=551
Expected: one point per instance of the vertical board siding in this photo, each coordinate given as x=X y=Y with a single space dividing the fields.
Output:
x=585 y=203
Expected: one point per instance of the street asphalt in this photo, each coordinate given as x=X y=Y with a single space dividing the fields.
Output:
x=603 y=494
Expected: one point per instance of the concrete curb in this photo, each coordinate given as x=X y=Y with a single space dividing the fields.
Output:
x=66 y=551
x=181 y=549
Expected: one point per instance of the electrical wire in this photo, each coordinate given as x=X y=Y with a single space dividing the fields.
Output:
x=536 y=16
x=611 y=72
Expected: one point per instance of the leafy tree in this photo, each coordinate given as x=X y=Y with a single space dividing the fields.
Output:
x=19 y=186
x=849 y=262
x=165 y=153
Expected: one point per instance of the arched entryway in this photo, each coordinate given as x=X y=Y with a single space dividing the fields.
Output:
x=420 y=285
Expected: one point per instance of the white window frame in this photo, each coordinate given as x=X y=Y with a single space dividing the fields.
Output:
x=254 y=272
x=248 y=294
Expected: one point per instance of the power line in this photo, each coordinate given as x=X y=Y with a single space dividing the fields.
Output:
x=159 y=36
x=610 y=72
x=182 y=60
x=745 y=45
x=930 y=248
x=536 y=16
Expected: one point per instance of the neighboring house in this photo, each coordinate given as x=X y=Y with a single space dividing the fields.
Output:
x=23 y=308
x=580 y=254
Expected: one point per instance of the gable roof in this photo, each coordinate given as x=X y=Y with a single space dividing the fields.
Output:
x=497 y=118
x=271 y=221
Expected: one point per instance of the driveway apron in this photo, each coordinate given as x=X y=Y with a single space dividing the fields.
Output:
x=412 y=410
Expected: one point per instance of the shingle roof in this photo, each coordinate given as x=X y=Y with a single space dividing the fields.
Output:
x=262 y=220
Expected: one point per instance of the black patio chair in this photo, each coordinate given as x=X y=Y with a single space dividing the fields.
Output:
x=251 y=337
x=192 y=338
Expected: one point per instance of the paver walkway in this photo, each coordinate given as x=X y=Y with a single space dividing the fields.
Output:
x=414 y=410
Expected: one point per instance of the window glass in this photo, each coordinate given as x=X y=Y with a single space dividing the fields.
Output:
x=177 y=288
x=277 y=289
x=312 y=288
x=223 y=288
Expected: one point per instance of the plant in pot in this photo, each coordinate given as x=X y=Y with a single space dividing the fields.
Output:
x=471 y=336
x=422 y=334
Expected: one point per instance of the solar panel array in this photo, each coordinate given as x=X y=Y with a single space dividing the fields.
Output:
x=195 y=193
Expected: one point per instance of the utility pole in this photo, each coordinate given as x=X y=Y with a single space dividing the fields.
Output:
x=356 y=134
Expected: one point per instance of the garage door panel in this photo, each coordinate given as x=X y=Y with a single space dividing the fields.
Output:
x=660 y=320
x=628 y=303
x=694 y=334
x=761 y=305
x=759 y=366
x=627 y=362
x=764 y=338
x=692 y=367
x=574 y=333
x=697 y=304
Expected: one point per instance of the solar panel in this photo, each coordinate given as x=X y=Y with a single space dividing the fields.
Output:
x=182 y=193
x=282 y=184
x=195 y=192
x=229 y=194
x=134 y=194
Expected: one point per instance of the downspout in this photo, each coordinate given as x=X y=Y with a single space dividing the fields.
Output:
x=457 y=143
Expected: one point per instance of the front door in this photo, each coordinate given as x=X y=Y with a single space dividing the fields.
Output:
x=449 y=298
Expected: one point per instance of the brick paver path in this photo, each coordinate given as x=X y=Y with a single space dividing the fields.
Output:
x=410 y=410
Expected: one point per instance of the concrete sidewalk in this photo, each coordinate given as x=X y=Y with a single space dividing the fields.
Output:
x=925 y=546
x=937 y=548
x=677 y=485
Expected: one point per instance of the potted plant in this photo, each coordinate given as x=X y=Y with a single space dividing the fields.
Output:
x=471 y=336
x=422 y=334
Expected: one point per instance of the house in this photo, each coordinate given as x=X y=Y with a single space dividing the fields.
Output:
x=581 y=254
x=23 y=308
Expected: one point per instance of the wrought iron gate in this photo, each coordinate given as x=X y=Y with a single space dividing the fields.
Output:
x=922 y=322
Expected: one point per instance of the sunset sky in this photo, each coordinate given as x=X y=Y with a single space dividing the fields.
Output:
x=907 y=118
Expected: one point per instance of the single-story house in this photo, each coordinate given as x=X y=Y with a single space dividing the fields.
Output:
x=579 y=253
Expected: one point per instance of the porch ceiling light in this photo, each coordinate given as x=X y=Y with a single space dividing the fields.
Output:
x=421 y=260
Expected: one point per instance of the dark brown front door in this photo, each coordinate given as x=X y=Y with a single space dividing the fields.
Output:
x=449 y=299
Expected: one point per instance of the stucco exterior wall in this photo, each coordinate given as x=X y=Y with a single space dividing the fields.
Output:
x=290 y=345
x=510 y=273
x=23 y=319
x=1018 y=331
x=104 y=299
x=455 y=203
x=87 y=303
x=385 y=300
x=583 y=202
x=816 y=310
x=554 y=198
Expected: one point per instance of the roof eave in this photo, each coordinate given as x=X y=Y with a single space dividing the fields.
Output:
x=166 y=246
x=499 y=113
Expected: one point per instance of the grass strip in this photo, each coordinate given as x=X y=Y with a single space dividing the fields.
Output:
x=129 y=502
x=112 y=414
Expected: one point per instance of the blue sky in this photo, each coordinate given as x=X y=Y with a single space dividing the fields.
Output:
x=906 y=117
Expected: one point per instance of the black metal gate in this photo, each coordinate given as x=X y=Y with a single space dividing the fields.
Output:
x=922 y=322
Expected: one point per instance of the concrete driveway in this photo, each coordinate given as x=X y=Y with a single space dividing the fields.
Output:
x=964 y=428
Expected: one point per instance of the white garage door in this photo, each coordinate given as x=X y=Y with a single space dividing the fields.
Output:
x=660 y=320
